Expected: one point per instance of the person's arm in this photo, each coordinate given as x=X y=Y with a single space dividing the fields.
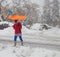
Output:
x=20 y=26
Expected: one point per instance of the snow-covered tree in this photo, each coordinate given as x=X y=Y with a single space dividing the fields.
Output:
x=46 y=12
x=51 y=12
x=55 y=12
x=23 y=7
x=32 y=13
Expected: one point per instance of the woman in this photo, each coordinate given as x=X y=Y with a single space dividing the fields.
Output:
x=17 y=28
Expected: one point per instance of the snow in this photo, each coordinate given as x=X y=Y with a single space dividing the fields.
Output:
x=50 y=36
x=30 y=35
x=53 y=32
x=36 y=26
x=23 y=51
x=5 y=22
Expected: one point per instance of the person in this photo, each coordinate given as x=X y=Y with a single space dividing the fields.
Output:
x=17 y=28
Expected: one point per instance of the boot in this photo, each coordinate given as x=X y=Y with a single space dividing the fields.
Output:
x=22 y=43
x=14 y=43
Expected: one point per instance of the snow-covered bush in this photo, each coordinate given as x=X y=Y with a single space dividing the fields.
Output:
x=38 y=26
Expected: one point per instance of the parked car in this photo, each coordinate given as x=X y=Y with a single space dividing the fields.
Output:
x=2 y=26
x=46 y=27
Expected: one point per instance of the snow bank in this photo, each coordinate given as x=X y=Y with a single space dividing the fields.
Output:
x=29 y=31
x=40 y=52
x=33 y=31
x=36 y=26
x=52 y=32
x=23 y=51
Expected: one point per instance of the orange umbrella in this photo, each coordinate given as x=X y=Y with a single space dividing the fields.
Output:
x=17 y=17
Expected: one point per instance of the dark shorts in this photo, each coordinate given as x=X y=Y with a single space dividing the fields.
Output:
x=20 y=37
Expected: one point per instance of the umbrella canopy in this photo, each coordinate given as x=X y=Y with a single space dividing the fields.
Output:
x=17 y=17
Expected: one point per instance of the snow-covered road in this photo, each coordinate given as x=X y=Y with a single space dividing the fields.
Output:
x=8 y=40
x=45 y=39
